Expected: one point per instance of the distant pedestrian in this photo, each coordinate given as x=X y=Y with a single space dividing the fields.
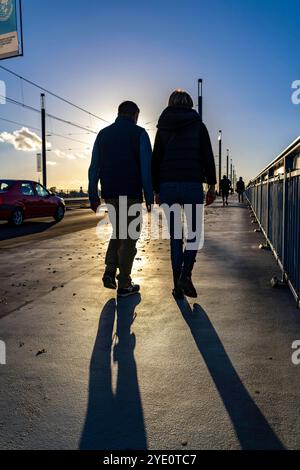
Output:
x=122 y=162
x=182 y=161
x=225 y=186
x=240 y=189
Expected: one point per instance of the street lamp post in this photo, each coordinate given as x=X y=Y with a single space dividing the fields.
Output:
x=227 y=164
x=220 y=159
x=44 y=145
x=200 y=99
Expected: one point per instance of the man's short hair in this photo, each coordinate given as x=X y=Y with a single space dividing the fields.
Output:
x=128 y=108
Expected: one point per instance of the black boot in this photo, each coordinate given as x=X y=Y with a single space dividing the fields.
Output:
x=109 y=280
x=186 y=285
x=185 y=280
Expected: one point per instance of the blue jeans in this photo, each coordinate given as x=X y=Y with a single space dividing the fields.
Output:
x=182 y=193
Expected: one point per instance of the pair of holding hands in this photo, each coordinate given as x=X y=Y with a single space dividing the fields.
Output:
x=95 y=206
x=210 y=199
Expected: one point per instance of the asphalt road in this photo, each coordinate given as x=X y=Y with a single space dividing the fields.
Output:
x=22 y=275
x=84 y=371
x=36 y=230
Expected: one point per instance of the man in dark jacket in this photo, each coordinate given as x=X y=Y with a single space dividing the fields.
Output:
x=240 y=189
x=122 y=162
x=182 y=160
x=225 y=186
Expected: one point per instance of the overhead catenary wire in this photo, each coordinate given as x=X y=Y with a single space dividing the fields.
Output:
x=70 y=103
x=20 y=124
x=56 y=118
x=86 y=145
x=49 y=134
x=51 y=116
x=55 y=95
x=68 y=138
x=73 y=149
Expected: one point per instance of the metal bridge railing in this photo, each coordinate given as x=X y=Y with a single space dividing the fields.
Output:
x=274 y=197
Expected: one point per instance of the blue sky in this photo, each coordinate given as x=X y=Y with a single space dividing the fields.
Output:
x=99 y=53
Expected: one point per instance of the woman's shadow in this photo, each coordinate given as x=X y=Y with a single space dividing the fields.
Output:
x=114 y=420
x=252 y=429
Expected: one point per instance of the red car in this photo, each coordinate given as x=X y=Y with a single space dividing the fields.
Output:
x=20 y=200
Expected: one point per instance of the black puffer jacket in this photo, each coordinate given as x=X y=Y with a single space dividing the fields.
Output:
x=182 y=149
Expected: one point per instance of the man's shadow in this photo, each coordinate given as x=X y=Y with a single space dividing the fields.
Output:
x=114 y=421
x=252 y=429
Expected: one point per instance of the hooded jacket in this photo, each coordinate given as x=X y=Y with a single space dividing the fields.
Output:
x=182 y=149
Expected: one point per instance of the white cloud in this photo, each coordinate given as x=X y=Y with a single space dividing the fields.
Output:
x=22 y=139
x=28 y=141
x=49 y=163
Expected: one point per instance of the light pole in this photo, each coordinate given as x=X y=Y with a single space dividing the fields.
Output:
x=227 y=164
x=200 y=99
x=44 y=145
x=220 y=159
x=231 y=175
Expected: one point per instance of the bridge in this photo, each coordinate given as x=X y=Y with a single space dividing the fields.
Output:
x=274 y=196
x=84 y=371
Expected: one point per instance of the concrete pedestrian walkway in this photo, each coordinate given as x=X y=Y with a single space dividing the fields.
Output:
x=211 y=374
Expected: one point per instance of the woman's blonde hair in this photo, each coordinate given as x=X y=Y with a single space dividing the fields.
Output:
x=180 y=99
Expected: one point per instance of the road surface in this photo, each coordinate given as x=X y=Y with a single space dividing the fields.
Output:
x=36 y=230
x=86 y=372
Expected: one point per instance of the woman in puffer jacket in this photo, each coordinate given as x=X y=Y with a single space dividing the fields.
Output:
x=182 y=161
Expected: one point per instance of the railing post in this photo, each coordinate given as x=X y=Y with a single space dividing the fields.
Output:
x=268 y=204
x=283 y=221
x=261 y=199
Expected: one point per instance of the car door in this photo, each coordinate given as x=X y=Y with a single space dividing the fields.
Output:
x=46 y=206
x=28 y=199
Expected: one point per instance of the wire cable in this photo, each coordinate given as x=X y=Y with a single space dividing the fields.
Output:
x=30 y=82
x=50 y=134
x=56 y=118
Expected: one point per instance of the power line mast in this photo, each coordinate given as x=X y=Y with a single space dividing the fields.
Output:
x=227 y=164
x=200 y=98
x=220 y=159
x=44 y=143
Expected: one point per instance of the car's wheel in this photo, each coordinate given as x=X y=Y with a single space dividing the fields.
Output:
x=59 y=214
x=17 y=218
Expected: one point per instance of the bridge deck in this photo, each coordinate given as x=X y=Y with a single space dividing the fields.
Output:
x=216 y=374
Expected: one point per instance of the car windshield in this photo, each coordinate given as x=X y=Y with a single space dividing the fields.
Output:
x=5 y=185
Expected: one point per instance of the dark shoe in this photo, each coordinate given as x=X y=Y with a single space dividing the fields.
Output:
x=130 y=290
x=177 y=294
x=109 y=281
x=187 y=286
